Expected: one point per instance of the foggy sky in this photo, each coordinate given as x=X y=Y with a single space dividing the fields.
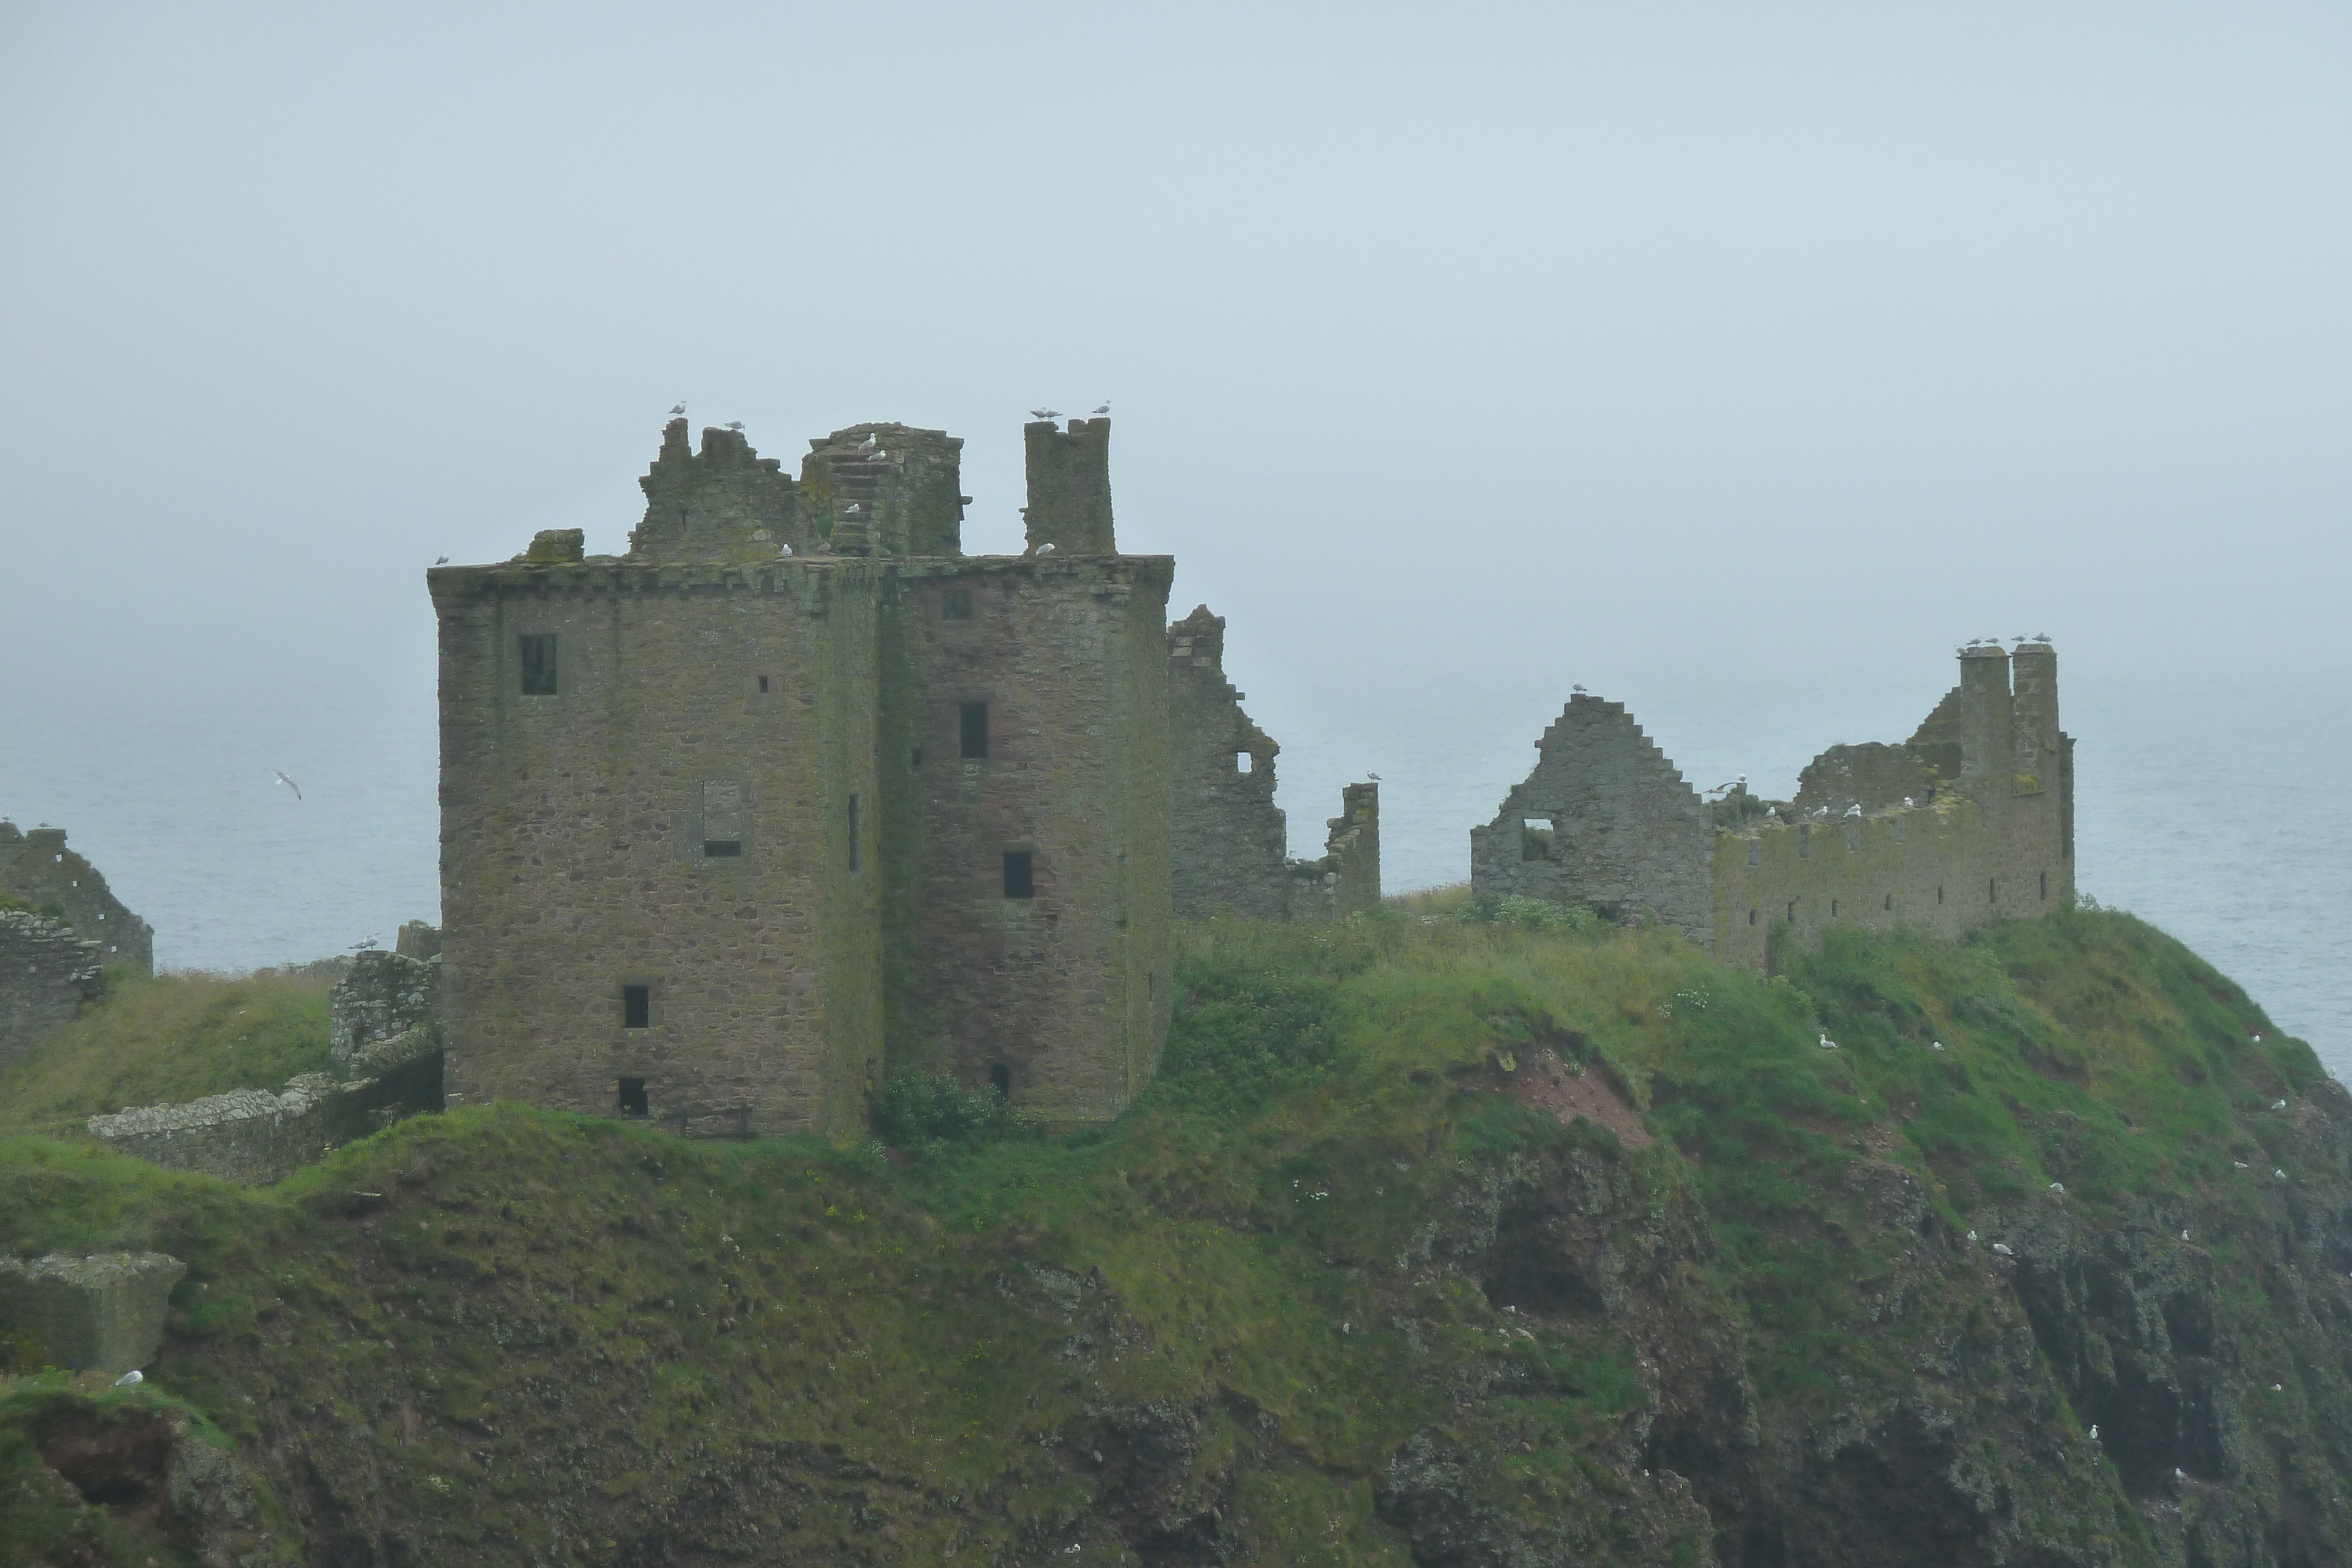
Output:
x=1650 y=346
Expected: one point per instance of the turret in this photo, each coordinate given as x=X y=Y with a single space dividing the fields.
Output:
x=2033 y=670
x=1069 y=487
x=886 y=489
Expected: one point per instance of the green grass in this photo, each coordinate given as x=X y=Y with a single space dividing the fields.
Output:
x=152 y=1038
x=468 y=1315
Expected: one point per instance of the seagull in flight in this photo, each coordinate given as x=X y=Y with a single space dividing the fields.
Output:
x=677 y=408
x=289 y=783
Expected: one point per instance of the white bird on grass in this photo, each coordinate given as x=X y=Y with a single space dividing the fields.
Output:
x=1855 y=810
x=2003 y=1248
x=131 y=1379
x=2094 y=1431
x=2057 y=1187
x=2278 y=1105
x=1828 y=1045
x=1938 y=1045
x=289 y=784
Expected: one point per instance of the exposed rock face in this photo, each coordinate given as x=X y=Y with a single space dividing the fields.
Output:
x=103 y=1312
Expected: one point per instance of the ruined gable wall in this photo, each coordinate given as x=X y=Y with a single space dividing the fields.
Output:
x=37 y=870
x=1228 y=842
x=1347 y=879
x=47 y=971
x=1069 y=989
x=573 y=827
x=1628 y=833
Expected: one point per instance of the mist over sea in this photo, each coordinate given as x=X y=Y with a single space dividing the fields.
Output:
x=2204 y=807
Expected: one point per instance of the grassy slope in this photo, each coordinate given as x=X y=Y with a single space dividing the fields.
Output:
x=561 y=1337
x=168 y=1037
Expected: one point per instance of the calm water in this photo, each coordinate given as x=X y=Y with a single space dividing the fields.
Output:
x=2205 y=809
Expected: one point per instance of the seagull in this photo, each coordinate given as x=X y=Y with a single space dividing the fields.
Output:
x=1972 y=1236
x=2041 y=637
x=2257 y=1039
x=1043 y=413
x=289 y=784
x=131 y=1379
x=2094 y=1431
x=441 y=561
x=1906 y=800
x=1046 y=549
x=1576 y=688
x=2280 y=1175
x=855 y=508
x=2240 y=1164
x=366 y=942
x=734 y=425
x=1939 y=1045
x=1855 y=810
x=2279 y=1105
x=2057 y=1187
x=2184 y=1235
x=1828 y=1045
x=2278 y=1387
x=1373 y=777
x=2179 y=1474
x=2003 y=1248
x=1105 y=409
x=677 y=408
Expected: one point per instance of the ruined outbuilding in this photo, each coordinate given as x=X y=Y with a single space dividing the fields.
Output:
x=1228 y=852
x=38 y=871
x=1970 y=820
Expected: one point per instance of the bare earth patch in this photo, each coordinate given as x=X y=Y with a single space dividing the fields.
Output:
x=1545 y=1082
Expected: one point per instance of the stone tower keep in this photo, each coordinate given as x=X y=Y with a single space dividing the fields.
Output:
x=795 y=789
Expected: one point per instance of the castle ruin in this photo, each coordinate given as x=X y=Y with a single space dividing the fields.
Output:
x=796 y=794
x=1970 y=820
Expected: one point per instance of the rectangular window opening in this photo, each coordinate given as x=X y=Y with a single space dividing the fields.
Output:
x=1793 y=912
x=632 y=1099
x=973 y=730
x=1834 y=909
x=763 y=685
x=955 y=605
x=1244 y=761
x=1940 y=892
x=1804 y=841
x=853 y=833
x=1990 y=896
x=2045 y=885
x=914 y=758
x=721 y=849
x=538 y=663
x=636 y=1007
x=1019 y=874
x=999 y=1078
x=1535 y=837
x=1751 y=917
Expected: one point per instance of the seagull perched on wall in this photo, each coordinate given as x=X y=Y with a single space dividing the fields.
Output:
x=1580 y=690
x=441 y=561
x=289 y=784
x=1043 y=413
x=365 y=943
x=1104 y=410
x=677 y=408
x=131 y=1379
x=1855 y=810
x=734 y=425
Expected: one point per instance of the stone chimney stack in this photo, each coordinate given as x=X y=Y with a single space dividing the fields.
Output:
x=1069 y=487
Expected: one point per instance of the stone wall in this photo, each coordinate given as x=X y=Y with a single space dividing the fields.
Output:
x=1346 y=880
x=385 y=1013
x=740 y=834
x=100 y=1311
x=1603 y=821
x=1227 y=841
x=47 y=973
x=256 y=1137
x=1970 y=820
x=39 y=872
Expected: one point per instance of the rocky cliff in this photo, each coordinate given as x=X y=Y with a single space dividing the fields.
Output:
x=1435 y=1244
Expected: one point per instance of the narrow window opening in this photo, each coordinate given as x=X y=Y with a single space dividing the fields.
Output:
x=1804 y=841
x=1793 y=912
x=1535 y=837
x=636 y=1007
x=722 y=849
x=633 y=1099
x=1751 y=917
x=539 y=663
x=914 y=758
x=1890 y=901
x=999 y=1078
x=955 y=605
x=1755 y=852
x=1019 y=874
x=973 y=730
x=1940 y=892
x=763 y=685
x=2045 y=888
x=1832 y=909
x=853 y=833
x=1990 y=896
x=1243 y=761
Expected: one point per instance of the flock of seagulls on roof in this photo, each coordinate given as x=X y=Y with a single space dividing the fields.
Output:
x=1995 y=641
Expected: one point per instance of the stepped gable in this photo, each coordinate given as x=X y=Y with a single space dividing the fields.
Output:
x=1227 y=841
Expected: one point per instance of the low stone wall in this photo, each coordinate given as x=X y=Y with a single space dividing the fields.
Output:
x=102 y=1312
x=47 y=973
x=253 y=1136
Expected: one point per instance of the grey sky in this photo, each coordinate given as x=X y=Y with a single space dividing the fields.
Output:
x=1507 y=345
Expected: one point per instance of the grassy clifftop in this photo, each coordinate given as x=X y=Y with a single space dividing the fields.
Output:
x=1435 y=1242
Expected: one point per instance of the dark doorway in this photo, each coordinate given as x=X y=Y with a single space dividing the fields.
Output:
x=636 y=1007
x=633 y=1099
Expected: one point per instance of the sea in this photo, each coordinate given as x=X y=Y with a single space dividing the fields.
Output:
x=2202 y=805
